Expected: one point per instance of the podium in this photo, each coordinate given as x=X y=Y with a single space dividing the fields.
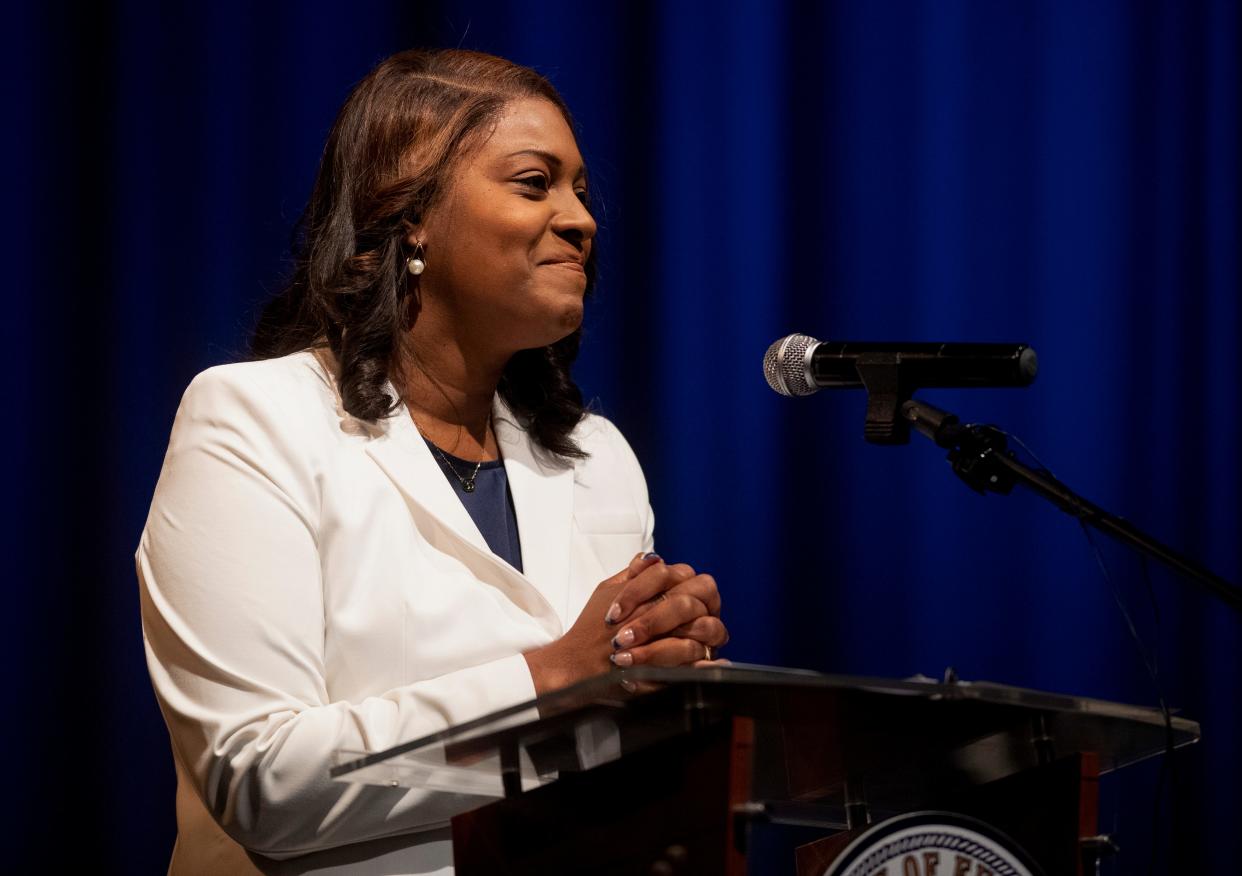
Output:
x=735 y=770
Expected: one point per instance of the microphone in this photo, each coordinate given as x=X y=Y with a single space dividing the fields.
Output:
x=800 y=365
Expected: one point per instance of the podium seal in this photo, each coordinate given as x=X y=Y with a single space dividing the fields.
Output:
x=933 y=844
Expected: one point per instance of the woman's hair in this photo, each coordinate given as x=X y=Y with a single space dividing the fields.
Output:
x=388 y=158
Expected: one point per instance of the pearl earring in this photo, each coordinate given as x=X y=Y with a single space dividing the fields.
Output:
x=415 y=264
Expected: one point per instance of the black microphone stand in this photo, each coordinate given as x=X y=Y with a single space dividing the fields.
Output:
x=980 y=456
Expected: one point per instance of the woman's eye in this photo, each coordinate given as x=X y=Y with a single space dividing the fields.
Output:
x=538 y=181
x=582 y=195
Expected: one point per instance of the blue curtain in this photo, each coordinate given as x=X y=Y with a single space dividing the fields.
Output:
x=1059 y=173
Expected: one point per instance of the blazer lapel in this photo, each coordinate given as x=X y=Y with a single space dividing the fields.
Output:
x=400 y=451
x=402 y=454
x=543 y=497
x=406 y=458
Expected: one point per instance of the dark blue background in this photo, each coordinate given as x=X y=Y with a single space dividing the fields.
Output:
x=1059 y=173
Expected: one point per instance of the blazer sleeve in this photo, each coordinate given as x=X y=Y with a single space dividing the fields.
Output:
x=233 y=624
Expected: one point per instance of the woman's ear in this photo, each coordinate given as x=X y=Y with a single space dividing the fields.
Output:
x=413 y=230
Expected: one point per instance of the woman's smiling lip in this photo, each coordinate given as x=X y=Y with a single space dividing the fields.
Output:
x=574 y=264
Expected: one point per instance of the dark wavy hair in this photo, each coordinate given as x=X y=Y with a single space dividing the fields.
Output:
x=388 y=159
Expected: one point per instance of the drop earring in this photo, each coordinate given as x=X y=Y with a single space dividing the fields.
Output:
x=415 y=264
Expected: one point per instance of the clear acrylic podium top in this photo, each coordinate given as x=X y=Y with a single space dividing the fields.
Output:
x=815 y=736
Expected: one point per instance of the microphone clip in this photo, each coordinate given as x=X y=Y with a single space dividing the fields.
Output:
x=881 y=376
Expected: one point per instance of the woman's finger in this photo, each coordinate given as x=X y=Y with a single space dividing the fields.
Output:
x=703 y=588
x=659 y=620
x=646 y=584
x=635 y=567
x=706 y=629
x=683 y=603
x=662 y=652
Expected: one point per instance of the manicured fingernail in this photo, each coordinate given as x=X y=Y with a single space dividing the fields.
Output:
x=651 y=556
x=614 y=613
x=623 y=639
x=622 y=658
x=628 y=686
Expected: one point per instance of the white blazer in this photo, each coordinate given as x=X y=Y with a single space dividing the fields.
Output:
x=311 y=582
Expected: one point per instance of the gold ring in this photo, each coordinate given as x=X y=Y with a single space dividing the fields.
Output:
x=708 y=655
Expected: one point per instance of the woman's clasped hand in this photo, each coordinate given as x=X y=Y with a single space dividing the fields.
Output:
x=649 y=614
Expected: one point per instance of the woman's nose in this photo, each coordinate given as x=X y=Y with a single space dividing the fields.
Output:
x=574 y=220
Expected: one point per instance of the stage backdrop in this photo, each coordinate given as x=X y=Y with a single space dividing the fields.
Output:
x=1059 y=173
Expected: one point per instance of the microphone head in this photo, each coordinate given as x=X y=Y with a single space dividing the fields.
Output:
x=1028 y=364
x=787 y=365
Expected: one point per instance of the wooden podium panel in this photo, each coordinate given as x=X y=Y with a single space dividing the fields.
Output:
x=663 y=810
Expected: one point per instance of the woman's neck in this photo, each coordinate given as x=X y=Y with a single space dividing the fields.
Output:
x=449 y=393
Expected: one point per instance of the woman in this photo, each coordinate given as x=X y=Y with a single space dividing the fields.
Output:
x=399 y=516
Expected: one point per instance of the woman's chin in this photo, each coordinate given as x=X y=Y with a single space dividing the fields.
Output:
x=559 y=325
x=571 y=317
x=563 y=309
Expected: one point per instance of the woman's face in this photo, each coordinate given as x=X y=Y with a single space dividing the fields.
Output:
x=506 y=245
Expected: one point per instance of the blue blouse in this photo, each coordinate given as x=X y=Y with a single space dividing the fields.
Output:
x=490 y=504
